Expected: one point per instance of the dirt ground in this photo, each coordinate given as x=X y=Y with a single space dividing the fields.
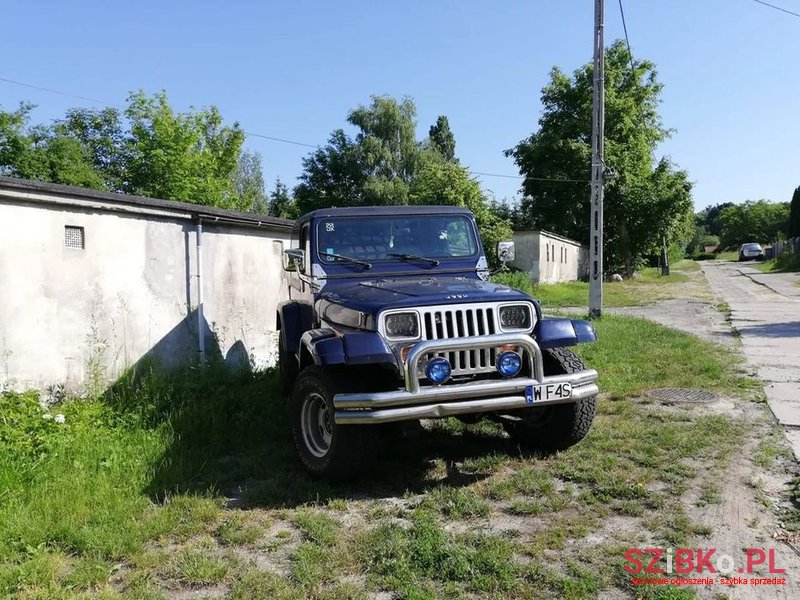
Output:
x=754 y=499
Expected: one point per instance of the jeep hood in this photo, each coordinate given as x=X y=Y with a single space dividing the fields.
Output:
x=374 y=295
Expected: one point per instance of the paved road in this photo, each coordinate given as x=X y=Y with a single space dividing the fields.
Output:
x=765 y=309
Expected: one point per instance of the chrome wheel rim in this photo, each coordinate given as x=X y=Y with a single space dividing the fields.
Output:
x=316 y=422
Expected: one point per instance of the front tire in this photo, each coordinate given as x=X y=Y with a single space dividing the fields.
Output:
x=336 y=452
x=287 y=365
x=560 y=426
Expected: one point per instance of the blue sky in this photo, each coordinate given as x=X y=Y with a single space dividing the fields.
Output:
x=293 y=70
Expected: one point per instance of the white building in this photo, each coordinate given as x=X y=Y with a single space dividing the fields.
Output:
x=91 y=282
x=550 y=258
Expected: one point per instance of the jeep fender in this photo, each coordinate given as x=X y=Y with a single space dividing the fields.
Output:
x=294 y=318
x=556 y=333
x=328 y=348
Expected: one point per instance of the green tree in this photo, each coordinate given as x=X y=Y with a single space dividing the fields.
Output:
x=441 y=182
x=186 y=156
x=373 y=168
x=102 y=133
x=759 y=221
x=248 y=184
x=442 y=139
x=43 y=153
x=384 y=164
x=648 y=201
x=280 y=203
x=794 y=216
x=332 y=175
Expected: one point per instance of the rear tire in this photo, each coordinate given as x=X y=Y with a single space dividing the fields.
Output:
x=559 y=426
x=336 y=452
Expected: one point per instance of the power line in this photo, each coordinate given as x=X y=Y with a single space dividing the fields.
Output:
x=788 y=12
x=60 y=93
x=268 y=137
x=109 y=104
x=277 y=139
x=627 y=41
x=528 y=177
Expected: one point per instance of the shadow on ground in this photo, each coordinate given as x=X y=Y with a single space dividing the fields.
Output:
x=228 y=433
x=773 y=330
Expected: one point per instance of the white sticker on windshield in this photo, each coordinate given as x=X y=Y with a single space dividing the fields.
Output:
x=329 y=227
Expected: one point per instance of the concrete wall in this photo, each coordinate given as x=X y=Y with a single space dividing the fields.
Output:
x=550 y=258
x=81 y=316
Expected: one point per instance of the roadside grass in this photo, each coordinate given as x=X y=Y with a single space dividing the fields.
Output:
x=785 y=262
x=686 y=264
x=636 y=354
x=728 y=255
x=647 y=288
x=129 y=497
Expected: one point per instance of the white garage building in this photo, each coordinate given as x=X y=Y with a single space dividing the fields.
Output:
x=91 y=282
x=550 y=258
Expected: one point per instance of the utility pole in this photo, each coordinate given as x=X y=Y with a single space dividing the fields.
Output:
x=598 y=169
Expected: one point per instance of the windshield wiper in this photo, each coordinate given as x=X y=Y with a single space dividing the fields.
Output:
x=433 y=261
x=347 y=259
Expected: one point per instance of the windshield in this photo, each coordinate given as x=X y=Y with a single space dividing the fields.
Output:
x=388 y=238
x=752 y=246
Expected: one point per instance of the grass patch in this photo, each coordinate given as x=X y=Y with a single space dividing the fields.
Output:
x=456 y=503
x=728 y=255
x=197 y=565
x=784 y=262
x=236 y=530
x=635 y=354
x=648 y=287
x=686 y=265
x=424 y=553
x=317 y=527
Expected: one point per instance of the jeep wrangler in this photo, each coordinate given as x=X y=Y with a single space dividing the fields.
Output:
x=392 y=317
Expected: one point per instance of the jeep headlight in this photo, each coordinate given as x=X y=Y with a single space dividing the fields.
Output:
x=401 y=325
x=515 y=317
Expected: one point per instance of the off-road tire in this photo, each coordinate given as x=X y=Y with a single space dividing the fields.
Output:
x=287 y=366
x=559 y=426
x=349 y=449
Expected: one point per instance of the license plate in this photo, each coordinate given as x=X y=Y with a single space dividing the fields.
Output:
x=548 y=391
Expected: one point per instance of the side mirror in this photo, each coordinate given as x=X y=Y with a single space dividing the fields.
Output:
x=294 y=259
x=505 y=252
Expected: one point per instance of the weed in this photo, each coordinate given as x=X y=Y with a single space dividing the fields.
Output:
x=456 y=503
x=197 y=565
x=397 y=556
x=317 y=527
x=235 y=530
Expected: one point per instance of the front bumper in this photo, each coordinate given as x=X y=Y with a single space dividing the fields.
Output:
x=430 y=402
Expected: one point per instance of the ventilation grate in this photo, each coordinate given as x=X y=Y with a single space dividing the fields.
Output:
x=73 y=237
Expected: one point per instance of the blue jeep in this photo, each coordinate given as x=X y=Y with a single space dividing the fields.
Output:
x=391 y=317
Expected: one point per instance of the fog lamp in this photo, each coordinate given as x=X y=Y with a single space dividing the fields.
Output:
x=438 y=370
x=509 y=364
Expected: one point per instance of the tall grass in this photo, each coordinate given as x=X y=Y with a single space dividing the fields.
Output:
x=102 y=482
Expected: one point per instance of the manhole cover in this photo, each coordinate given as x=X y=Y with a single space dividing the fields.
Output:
x=681 y=395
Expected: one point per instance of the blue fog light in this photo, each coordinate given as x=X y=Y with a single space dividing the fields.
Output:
x=509 y=364
x=438 y=370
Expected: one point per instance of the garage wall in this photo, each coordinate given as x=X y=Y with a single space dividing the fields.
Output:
x=80 y=316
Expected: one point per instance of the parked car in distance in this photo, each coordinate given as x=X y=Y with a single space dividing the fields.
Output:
x=751 y=251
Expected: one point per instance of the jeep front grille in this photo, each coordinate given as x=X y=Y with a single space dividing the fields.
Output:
x=447 y=322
